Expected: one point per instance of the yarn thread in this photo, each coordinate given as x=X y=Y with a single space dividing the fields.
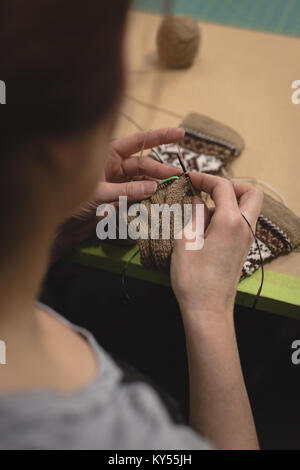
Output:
x=178 y=40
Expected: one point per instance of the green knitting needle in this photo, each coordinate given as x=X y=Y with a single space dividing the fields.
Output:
x=169 y=179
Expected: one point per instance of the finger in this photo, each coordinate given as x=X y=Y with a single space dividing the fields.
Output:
x=145 y=177
x=250 y=201
x=148 y=166
x=131 y=144
x=220 y=189
x=230 y=196
x=134 y=190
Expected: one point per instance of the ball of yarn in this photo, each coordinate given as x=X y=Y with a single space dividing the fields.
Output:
x=178 y=40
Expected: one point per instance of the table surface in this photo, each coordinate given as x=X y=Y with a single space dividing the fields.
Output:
x=242 y=78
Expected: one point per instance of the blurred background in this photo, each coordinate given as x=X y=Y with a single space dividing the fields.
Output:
x=277 y=16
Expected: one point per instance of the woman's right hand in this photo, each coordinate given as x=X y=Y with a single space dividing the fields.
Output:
x=205 y=281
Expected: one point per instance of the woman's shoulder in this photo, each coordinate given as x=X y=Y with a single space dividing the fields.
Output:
x=106 y=412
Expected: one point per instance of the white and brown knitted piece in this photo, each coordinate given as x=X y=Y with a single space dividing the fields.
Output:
x=208 y=145
x=277 y=232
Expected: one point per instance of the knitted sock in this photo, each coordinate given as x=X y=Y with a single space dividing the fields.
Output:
x=157 y=252
x=277 y=231
x=208 y=145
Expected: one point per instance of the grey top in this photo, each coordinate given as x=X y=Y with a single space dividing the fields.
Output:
x=105 y=414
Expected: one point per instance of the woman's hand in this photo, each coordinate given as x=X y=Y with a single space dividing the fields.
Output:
x=135 y=176
x=205 y=281
x=125 y=175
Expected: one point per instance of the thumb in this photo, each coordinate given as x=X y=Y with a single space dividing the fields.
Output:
x=134 y=190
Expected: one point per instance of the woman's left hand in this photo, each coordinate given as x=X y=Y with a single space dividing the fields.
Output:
x=135 y=176
x=125 y=175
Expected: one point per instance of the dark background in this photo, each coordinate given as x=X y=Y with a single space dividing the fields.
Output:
x=149 y=336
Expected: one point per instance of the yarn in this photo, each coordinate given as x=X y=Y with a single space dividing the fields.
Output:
x=178 y=40
x=157 y=252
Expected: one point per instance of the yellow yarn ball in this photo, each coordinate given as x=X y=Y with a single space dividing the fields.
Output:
x=178 y=40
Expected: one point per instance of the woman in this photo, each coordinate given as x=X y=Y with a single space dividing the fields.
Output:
x=62 y=63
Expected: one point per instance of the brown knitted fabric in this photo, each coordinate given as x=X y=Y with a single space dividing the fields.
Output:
x=157 y=253
x=201 y=146
x=208 y=145
x=212 y=130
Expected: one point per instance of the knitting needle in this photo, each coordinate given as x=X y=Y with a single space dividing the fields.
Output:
x=185 y=171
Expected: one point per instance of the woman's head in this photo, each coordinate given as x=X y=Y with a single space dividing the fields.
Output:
x=63 y=68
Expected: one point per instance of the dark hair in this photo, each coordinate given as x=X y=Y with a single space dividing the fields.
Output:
x=62 y=65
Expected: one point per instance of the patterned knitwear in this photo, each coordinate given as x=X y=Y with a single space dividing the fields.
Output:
x=208 y=146
x=277 y=231
x=157 y=252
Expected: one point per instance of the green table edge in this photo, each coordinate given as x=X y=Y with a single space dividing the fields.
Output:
x=280 y=294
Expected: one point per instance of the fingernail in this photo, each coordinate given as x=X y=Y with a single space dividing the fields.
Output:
x=180 y=132
x=148 y=187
